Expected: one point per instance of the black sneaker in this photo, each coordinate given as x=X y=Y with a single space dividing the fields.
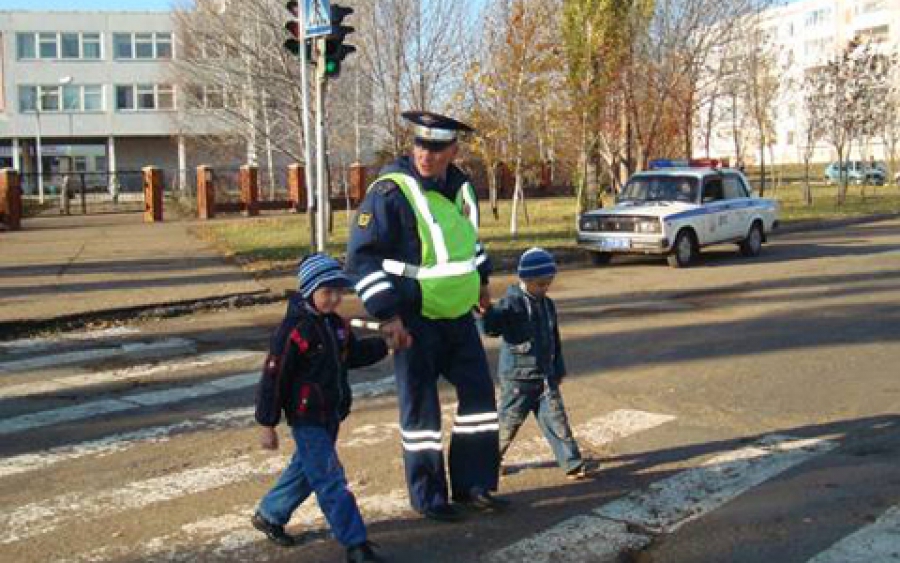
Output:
x=443 y=513
x=363 y=553
x=483 y=501
x=272 y=531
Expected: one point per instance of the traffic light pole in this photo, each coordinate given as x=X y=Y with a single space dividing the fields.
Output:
x=307 y=131
x=321 y=189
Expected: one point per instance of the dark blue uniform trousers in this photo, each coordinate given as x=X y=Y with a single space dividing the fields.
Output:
x=450 y=348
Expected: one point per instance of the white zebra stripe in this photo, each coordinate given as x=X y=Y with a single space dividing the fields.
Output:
x=665 y=506
x=134 y=372
x=879 y=541
x=133 y=350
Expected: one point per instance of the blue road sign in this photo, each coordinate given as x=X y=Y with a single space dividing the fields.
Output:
x=318 y=18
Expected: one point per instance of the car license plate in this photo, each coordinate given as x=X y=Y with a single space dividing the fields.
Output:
x=615 y=243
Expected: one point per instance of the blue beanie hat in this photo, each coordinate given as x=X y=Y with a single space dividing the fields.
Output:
x=536 y=263
x=320 y=270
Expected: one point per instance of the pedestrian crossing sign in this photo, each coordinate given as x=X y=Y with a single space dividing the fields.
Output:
x=318 y=18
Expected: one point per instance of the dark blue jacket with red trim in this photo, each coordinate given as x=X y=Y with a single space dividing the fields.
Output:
x=305 y=373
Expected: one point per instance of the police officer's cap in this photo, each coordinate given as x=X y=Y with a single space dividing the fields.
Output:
x=433 y=130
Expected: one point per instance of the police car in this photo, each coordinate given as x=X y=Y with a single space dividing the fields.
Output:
x=675 y=209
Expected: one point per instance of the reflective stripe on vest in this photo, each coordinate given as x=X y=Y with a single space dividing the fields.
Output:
x=447 y=275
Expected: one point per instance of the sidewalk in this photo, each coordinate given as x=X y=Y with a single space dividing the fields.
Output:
x=63 y=267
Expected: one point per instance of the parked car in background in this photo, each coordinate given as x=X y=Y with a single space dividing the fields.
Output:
x=857 y=172
x=674 y=210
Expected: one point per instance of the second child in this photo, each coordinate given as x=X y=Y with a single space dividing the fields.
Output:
x=531 y=361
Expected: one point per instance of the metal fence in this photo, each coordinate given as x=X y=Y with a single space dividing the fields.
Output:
x=87 y=192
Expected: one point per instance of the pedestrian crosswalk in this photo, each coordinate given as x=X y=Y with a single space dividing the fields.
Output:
x=196 y=443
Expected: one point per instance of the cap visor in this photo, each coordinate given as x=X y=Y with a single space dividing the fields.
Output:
x=435 y=146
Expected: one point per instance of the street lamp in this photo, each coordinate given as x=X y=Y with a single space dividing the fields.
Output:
x=37 y=115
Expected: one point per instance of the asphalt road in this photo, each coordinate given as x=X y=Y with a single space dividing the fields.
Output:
x=745 y=410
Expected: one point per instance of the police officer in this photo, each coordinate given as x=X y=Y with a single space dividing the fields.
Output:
x=420 y=267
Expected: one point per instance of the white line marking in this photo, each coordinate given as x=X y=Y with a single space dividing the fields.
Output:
x=233 y=418
x=665 y=505
x=597 y=431
x=879 y=541
x=133 y=350
x=126 y=402
x=45 y=516
x=42 y=343
x=125 y=374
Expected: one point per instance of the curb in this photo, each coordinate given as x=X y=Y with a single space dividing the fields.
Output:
x=504 y=263
x=27 y=327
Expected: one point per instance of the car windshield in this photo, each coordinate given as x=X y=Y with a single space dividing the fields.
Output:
x=660 y=188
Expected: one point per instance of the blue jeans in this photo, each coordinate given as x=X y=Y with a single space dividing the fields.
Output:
x=315 y=467
x=518 y=398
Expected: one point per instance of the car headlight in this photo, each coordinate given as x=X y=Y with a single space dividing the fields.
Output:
x=588 y=224
x=648 y=227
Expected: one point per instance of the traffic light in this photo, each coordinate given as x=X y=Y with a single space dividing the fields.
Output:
x=335 y=49
x=294 y=41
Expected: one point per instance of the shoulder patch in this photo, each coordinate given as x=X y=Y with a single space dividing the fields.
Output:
x=363 y=220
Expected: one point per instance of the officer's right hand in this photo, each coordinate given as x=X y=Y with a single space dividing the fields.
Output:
x=396 y=335
x=268 y=438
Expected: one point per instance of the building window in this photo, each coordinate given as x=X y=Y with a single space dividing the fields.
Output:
x=163 y=45
x=71 y=46
x=818 y=17
x=49 y=48
x=27 y=98
x=26 y=46
x=52 y=45
x=790 y=138
x=122 y=46
x=93 y=98
x=165 y=97
x=79 y=163
x=71 y=98
x=143 y=45
x=49 y=98
x=145 y=97
x=90 y=44
x=124 y=97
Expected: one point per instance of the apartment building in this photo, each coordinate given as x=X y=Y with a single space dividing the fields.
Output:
x=805 y=34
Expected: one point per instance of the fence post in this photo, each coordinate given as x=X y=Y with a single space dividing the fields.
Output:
x=153 y=192
x=357 y=183
x=206 y=192
x=297 y=187
x=250 y=189
x=11 y=199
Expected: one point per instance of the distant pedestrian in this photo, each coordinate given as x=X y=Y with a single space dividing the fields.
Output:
x=531 y=361
x=305 y=375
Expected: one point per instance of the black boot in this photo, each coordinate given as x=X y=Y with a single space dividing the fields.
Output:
x=363 y=553
x=272 y=531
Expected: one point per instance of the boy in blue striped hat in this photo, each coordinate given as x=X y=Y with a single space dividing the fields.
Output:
x=531 y=361
x=305 y=375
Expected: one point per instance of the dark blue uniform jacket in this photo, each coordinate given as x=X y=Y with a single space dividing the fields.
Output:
x=305 y=373
x=385 y=227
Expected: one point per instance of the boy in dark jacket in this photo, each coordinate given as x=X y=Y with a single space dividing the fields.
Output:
x=305 y=375
x=531 y=361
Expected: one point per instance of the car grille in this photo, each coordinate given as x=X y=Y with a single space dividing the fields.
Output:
x=618 y=224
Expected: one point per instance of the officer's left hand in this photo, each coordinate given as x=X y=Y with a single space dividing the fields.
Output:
x=484 y=299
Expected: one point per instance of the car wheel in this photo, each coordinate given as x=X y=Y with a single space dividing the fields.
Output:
x=685 y=250
x=600 y=258
x=752 y=245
